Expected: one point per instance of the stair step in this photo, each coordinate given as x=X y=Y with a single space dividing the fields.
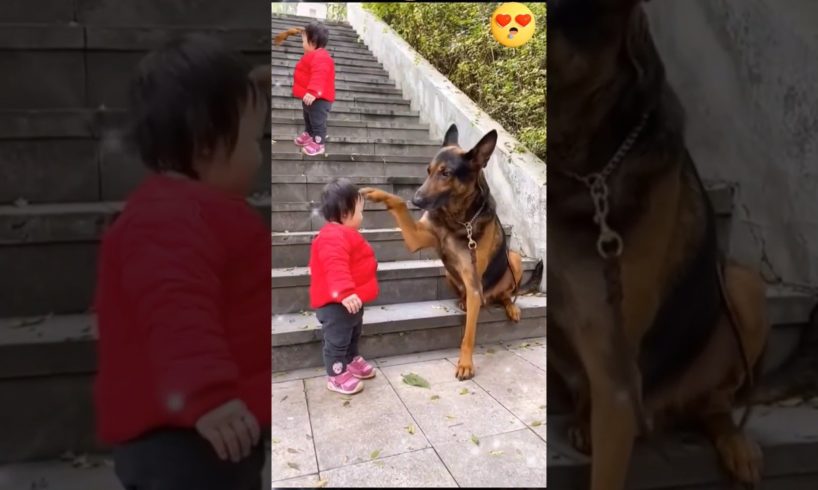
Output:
x=401 y=281
x=293 y=249
x=293 y=128
x=788 y=437
x=360 y=61
x=50 y=254
x=335 y=51
x=372 y=106
x=298 y=20
x=340 y=67
x=302 y=188
x=335 y=164
x=284 y=75
x=344 y=96
x=336 y=32
x=302 y=216
x=349 y=145
x=403 y=328
x=392 y=117
x=348 y=88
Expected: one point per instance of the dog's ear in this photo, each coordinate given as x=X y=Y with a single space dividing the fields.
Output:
x=451 y=136
x=480 y=154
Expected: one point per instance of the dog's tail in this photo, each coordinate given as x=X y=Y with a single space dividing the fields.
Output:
x=533 y=283
x=282 y=36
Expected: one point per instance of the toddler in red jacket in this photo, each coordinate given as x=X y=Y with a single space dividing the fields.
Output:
x=314 y=84
x=182 y=391
x=342 y=278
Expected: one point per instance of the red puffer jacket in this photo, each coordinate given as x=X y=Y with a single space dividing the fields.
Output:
x=183 y=310
x=315 y=73
x=341 y=263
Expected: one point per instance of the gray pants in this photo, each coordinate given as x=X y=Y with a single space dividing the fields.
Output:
x=315 y=119
x=341 y=333
x=181 y=459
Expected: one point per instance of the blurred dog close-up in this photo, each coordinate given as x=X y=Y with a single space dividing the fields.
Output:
x=648 y=323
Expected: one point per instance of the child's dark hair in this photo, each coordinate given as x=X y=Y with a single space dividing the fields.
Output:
x=186 y=99
x=338 y=199
x=317 y=34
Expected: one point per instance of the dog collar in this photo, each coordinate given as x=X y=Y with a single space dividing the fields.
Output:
x=470 y=223
x=609 y=243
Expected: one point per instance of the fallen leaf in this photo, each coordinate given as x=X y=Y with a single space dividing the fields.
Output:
x=375 y=453
x=410 y=429
x=413 y=379
x=305 y=327
x=293 y=466
x=475 y=440
x=434 y=397
x=464 y=391
x=490 y=351
x=345 y=404
x=525 y=344
x=275 y=440
x=292 y=451
x=20 y=202
x=450 y=417
x=496 y=453
x=320 y=484
x=536 y=423
x=285 y=397
x=542 y=407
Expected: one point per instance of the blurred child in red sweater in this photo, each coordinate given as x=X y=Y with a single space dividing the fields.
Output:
x=183 y=294
x=342 y=278
x=314 y=84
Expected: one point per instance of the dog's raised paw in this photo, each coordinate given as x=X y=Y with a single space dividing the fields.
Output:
x=741 y=456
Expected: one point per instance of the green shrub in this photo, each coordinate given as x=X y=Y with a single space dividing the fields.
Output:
x=507 y=83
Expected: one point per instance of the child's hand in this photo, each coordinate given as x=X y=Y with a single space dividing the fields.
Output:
x=309 y=99
x=352 y=303
x=231 y=429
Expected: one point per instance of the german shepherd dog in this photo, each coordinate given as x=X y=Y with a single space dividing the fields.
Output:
x=693 y=325
x=460 y=221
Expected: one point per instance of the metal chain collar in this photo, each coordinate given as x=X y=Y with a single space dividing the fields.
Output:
x=469 y=227
x=609 y=243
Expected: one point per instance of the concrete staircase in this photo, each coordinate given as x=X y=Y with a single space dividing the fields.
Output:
x=63 y=178
x=375 y=139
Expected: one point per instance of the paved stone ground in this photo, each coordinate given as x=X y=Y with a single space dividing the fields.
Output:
x=488 y=431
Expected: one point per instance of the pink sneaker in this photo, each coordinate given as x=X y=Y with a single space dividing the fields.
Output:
x=303 y=139
x=360 y=368
x=312 y=148
x=345 y=383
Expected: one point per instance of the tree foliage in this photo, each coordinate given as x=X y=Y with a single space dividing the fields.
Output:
x=507 y=83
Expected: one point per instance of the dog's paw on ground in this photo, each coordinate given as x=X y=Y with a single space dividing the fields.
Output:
x=741 y=456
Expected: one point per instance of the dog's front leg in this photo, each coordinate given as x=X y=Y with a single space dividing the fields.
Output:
x=613 y=422
x=472 y=285
x=416 y=234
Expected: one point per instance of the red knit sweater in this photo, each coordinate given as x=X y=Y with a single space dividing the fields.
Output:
x=183 y=308
x=341 y=263
x=315 y=73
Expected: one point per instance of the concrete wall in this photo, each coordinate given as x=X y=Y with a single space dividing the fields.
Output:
x=747 y=75
x=516 y=177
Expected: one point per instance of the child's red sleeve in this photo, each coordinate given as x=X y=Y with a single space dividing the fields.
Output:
x=319 y=74
x=334 y=254
x=171 y=262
